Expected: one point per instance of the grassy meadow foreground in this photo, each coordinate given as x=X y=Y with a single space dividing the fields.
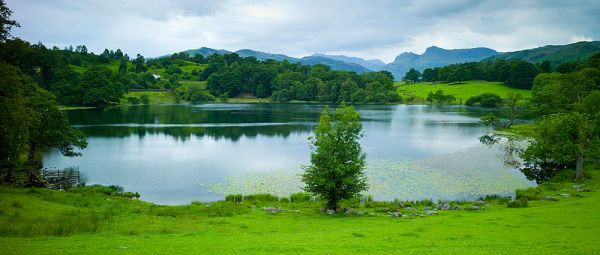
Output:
x=87 y=220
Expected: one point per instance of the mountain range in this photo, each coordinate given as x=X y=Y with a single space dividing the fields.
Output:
x=432 y=57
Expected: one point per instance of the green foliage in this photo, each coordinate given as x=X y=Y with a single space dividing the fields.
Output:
x=440 y=97
x=145 y=99
x=518 y=203
x=6 y=23
x=485 y=100
x=300 y=197
x=337 y=161
x=261 y=198
x=412 y=75
x=134 y=100
x=193 y=93
x=562 y=140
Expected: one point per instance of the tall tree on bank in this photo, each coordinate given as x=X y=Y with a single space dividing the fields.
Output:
x=14 y=119
x=564 y=140
x=337 y=160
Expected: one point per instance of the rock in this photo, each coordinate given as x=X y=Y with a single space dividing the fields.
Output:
x=564 y=195
x=330 y=212
x=414 y=214
x=396 y=214
x=577 y=186
x=456 y=207
x=273 y=210
x=359 y=212
x=445 y=206
x=480 y=203
x=549 y=198
x=473 y=208
x=430 y=212
x=386 y=209
x=409 y=208
x=427 y=209
x=348 y=210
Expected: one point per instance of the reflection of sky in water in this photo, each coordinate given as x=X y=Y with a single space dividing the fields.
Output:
x=177 y=154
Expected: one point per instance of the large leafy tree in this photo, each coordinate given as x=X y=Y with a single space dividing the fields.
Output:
x=14 y=118
x=337 y=160
x=52 y=128
x=563 y=140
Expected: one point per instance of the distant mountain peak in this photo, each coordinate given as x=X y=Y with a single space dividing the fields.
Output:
x=434 y=57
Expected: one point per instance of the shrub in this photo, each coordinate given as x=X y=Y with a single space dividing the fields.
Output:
x=300 y=197
x=145 y=99
x=261 y=198
x=485 y=100
x=284 y=200
x=518 y=203
x=133 y=100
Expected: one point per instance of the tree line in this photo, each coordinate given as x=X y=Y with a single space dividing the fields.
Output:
x=514 y=73
x=285 y=81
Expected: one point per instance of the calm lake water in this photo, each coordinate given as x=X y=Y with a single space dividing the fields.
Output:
x=175 y=154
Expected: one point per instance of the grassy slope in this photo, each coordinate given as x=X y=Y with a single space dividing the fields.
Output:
x=569 y=226
x=462 y=92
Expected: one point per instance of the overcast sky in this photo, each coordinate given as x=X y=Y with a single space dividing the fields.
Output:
x=368 y=29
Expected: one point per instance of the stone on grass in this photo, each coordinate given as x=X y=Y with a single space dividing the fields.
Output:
x=273 y=210
x=549 y=198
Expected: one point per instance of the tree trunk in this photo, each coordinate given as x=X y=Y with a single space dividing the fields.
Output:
x=31 y=154
x=579 y=169
x=10 y=175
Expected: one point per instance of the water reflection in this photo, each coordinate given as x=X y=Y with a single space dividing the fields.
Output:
x=174 y=154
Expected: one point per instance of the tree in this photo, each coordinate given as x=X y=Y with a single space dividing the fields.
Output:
x=521 y=75
x=139 y=63
x=412 y=75
x=514 y=104
x=14 y=119
x=6 y=23
x=563 y=140
x=429 y=75
x=337 y=160
x=123 y=65
x=50 y=129
x=546 y=66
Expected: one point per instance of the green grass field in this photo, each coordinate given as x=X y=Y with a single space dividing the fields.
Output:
x=462 y=92
x=38 y=221
x=156 y=97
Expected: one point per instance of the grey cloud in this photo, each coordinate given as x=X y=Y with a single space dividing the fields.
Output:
x=370 y=29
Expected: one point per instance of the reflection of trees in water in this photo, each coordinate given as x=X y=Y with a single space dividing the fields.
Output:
x=184 y=133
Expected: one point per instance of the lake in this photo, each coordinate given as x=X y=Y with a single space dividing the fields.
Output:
x=175 y=154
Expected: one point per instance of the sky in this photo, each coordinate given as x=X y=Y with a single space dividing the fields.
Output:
x=367 y=29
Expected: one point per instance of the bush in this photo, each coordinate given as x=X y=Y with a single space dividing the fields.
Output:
x=133 y=100
x=518 y=203
x=261 y=198
x=145 y=99
x=485 y=100
x=284 y=200
x=300 y=197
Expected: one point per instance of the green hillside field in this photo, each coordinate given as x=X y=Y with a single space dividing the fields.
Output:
x=462 y=91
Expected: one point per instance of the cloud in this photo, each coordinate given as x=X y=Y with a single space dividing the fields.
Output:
x=369 y=29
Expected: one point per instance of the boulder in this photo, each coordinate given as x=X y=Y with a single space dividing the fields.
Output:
x=430 y=212
x=456 y=207
x=445 y=206
x=273 y=210
x=409 y=208
x=564 y=195
x=548 y=198
x=396 y=214
x=480 y=203
x=473 y=208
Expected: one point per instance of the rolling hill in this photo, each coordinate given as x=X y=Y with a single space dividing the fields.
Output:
x=556 y=54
